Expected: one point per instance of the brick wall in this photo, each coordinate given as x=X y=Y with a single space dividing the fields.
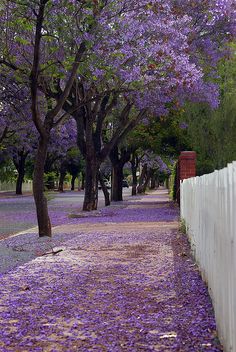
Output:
x=186 y=168
x=187 y=165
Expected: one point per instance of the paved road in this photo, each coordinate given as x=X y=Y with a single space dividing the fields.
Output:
x=17 y=213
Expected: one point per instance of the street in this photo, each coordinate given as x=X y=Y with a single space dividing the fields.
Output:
x=17 y=213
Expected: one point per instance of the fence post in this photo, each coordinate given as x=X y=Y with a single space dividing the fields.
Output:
x=186 y=168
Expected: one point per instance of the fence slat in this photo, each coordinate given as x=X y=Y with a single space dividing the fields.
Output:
x=208 y=207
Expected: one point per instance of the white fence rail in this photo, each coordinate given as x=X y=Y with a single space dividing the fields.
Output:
x=208 y=206
x=11 y=186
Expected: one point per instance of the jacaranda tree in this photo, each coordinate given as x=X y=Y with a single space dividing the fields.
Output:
x=90 y=57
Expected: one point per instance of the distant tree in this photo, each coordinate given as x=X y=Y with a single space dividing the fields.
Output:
x=7 y=168
x=75 y=164
x=18 y=134
x=211 y=133
x=119 y=156
x=152 y=167
x=63 y=139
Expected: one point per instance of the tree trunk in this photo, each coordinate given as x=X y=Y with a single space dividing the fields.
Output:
x=117 y=178
x=61 y=181
x=105 y=191
x=91 y=184
x=153 y=182
x=140 y=188
x=147 y=180
x=19 y=182
x=73 y=182
x=21 y=172
x=134 y=190
x=118 y=160
x=134 y=177
x=83 y=181
x=62 y=177
x=44 y=223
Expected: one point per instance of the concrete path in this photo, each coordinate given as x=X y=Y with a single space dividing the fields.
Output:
x=121 y=279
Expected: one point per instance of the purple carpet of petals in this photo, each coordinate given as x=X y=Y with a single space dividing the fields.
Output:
x=141 y=212
x=124 y=281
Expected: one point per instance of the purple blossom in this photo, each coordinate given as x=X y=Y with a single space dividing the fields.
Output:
x=117 y=287
x=183 y=125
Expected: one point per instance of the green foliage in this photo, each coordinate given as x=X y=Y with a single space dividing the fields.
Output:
x=29 y=168
x=211 y=133
x=173 y=181
x=7 y=171
x=49 y=180
x=75 y=161
x=162 y=135
x=183 y=227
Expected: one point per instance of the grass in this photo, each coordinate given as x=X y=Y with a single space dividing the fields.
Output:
x=183 y=227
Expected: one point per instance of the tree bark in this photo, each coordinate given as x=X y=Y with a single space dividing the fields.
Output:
x=118 y=162
x=62 y=177
x=19 y=181
x=117 y=178
x=20 y=166
x=153 y=182
x=73 y=182
x=105 y=191
x=134 y=190
x=147 y=180
x=91 y=166
x=61 y=181
x=134 y=166
x=91 y=184
x=44 y=223
x=140 y=188
x=83 y=181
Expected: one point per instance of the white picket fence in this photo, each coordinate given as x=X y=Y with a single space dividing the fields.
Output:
x=208 y=207
x=11 y=186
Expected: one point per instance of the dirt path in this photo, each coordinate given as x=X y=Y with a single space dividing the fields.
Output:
x=124 y=281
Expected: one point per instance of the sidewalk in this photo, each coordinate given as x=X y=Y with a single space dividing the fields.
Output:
x=124 y=280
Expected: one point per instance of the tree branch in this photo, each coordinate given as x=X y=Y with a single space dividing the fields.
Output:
x=35 y=69
x=70 y=81
x=121 y=132
x=8 y=64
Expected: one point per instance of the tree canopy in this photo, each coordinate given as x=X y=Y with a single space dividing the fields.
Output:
x=99 y=59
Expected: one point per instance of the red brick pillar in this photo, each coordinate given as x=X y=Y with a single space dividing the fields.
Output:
x=186 y=168
x=187 y=165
